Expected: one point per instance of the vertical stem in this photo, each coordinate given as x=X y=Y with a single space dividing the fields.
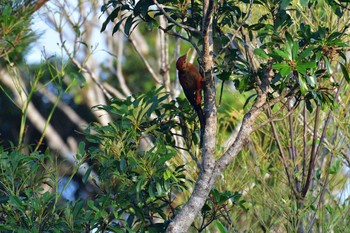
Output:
x=282 y=155
x=291 y=134
x=313 y=154
x=304 y=142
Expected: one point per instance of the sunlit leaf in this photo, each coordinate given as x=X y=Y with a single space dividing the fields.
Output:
x=220 y=227
x=302 y=85
x=261 y=53
x=345 y=72
x=282 y=54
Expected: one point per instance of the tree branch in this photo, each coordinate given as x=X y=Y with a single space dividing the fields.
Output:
x=186 y=216
x=161 y=8
x=149 y=67
x=283 y=157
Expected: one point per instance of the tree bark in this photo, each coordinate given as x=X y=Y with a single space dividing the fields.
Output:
x=186 y=216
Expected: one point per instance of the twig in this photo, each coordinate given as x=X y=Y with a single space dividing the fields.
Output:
x=322 y=194
x=120 y=76
x=164 y=56
x=161 y=8
x=113 y=90
x=86 y=70
x=316 y=148
x=313 y=153
x=273 y=119
x=239 y=28
x=283 y=157
x=65 y=108
x=182 y=37
x=304 y=142
x=149 y=67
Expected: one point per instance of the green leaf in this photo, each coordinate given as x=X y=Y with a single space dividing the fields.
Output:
x=328 y=64
x=282 y=54
x=151 y=193
x=302 y=67
x=312 y=81
x=159 y=189
x=261 y=53
x=128 y=25
x=295 y=50
x=110 y=18
x=302 y=85
x=257 y=26
x=307 y=52
x=345 y=72
x=289 y=38
x=117 y=25
x=284 y=4
x=167 y=174
x=91 y=204
x=335 y=167
x=285 y=71
x=220 y=227
x=279 y=66
x=141 y=7
x=248 y=99
x=87 y=174
x=225 y=75
x=308 y=105
x=16 y=202
x=284 y=68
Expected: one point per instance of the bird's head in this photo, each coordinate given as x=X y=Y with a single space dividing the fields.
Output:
x=182 y=61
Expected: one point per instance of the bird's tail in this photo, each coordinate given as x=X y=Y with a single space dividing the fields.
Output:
x=201 y=118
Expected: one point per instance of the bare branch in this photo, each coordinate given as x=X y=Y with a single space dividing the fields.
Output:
x=113 y=91
x=186 y=216
x=85 y=69
x=283 y=157
x=164 y=55
x=316 y=145
x=149 y=67
x=120 y=75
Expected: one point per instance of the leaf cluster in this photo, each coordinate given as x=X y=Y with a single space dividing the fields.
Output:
x=15 y=33
x=140 y=182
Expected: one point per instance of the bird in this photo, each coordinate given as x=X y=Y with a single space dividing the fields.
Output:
x=192 y=83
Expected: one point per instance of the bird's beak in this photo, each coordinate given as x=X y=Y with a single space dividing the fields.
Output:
x=188 y=52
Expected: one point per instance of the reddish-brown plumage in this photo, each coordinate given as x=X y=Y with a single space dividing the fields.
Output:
x=192 y=83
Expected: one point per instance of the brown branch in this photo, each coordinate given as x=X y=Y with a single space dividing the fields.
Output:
x=313 y=154
x=315 y=149
x=186 y=216
x=273 y=117
x=183 y=38
x=38 y=4
x=304 y=142
x=283 y=157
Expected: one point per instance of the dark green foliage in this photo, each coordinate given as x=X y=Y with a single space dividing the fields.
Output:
x=135 y=190
x=217 y=208
x=24 y=206
x=15 y=34
x=137 y=186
